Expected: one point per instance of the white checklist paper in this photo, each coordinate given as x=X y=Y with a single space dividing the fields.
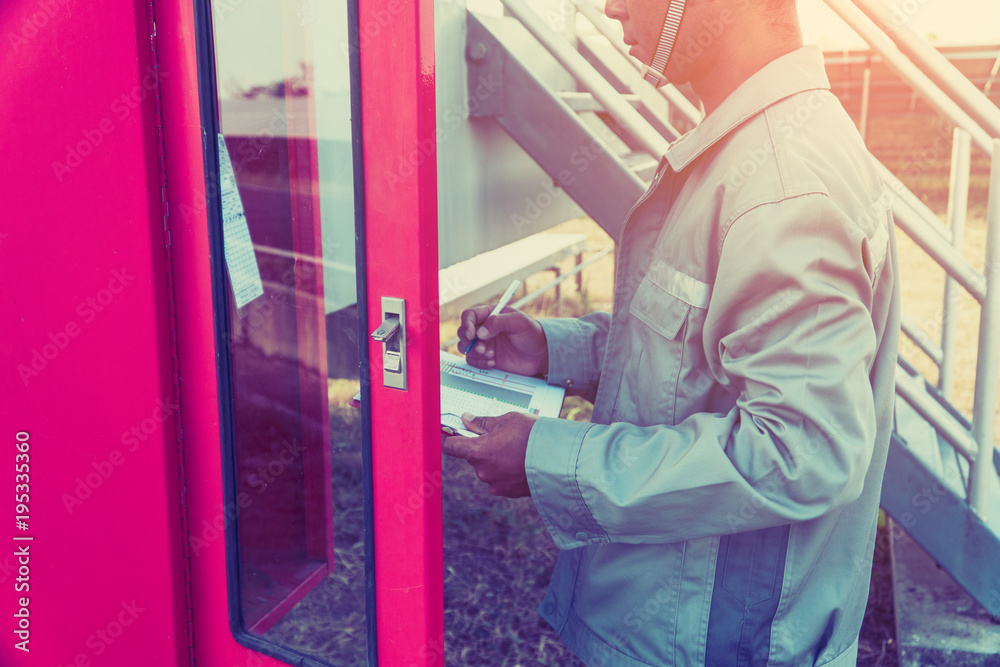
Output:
x=486 y=392
x=241 y=263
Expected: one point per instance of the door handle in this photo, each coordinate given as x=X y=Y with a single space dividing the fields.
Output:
x=388 y=329
x=392 y=334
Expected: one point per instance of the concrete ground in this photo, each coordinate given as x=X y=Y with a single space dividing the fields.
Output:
x=937 y=623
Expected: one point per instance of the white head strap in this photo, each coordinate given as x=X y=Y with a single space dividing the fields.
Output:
x=671 y=25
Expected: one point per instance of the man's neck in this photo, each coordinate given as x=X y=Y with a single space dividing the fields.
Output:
x=714 y=84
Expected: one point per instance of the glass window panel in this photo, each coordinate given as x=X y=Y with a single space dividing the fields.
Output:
x=299 y=465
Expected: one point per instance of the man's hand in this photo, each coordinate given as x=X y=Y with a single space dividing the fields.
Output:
x=498 y=453
x=511 y=341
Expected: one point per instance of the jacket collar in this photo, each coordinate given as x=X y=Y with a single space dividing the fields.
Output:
x=795 y=72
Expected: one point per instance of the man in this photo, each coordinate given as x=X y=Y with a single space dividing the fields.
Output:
x=721 y=507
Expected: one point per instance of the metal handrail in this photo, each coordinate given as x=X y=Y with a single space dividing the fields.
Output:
x=921 y=339
x=950 y=259
x=984 y=287
x=909 y=72
x=984 y=405
x=958 y=208
x=648 y=98
x=675 y=97
x=993 y=76
x=912 y=391
x=906 y=197
x=940 y=70
x=621 y=111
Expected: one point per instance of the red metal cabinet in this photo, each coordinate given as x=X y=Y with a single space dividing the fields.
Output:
x=106 y=274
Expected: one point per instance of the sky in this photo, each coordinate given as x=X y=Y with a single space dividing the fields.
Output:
x=944 y=22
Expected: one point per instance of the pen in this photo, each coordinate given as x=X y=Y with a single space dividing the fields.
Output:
x=501 y=304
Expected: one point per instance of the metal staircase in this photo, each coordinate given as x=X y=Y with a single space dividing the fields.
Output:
x=602 y=142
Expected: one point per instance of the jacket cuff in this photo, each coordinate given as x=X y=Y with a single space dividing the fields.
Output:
x=551 y=461
x=569 y=365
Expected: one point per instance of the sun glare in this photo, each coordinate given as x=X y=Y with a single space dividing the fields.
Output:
x=942 y=22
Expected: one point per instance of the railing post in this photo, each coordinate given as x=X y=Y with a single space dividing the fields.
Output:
x=984 y=409
x=907 y=70
x=866 y=84
x=958 y=207
x=936 y=66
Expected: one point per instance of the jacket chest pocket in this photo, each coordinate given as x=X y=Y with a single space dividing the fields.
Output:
x=666 y=316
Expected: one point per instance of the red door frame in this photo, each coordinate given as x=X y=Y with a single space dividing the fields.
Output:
x=185 y=177
x=398 y=115
x=399 y=122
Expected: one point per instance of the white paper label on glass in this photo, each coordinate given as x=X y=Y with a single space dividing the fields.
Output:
x=241 y=262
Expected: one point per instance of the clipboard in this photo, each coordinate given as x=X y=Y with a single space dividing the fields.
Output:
x=487 y=392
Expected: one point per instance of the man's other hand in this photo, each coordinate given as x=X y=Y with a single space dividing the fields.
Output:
x=497 y=455
x=511 y=341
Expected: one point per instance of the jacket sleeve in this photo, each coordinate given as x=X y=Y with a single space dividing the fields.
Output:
x=576 y=351
x=789 y=333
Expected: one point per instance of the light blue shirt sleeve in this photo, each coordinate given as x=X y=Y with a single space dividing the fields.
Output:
x=576 y=351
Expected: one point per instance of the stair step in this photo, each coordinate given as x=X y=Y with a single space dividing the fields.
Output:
x=924 y=492
x=937 y=623
x=642 y=164
x=993 y=517
x=578 y=150
x=578 y=101
x=939 y=457
x=922 y=440
x=624 y=77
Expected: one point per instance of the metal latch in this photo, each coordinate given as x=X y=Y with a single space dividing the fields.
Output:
x=392 y=334
x=387 y=330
